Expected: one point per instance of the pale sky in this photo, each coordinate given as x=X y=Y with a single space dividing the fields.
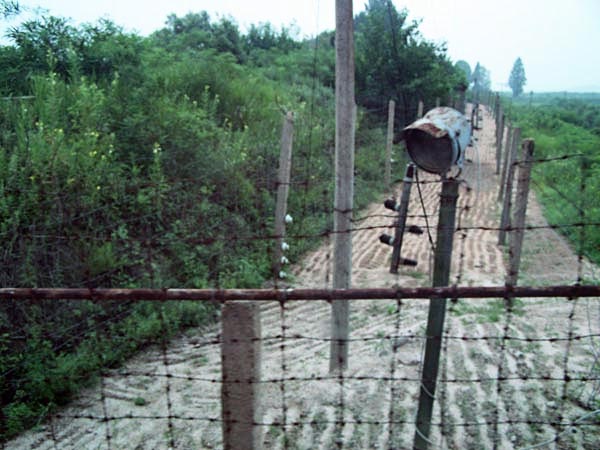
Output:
x=556 y=39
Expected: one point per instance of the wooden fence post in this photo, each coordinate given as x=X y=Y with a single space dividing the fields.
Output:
x=437 y=312
x=508 y=188
x=240 y=362
x=283 y=187
x=345 y=114
x=420 y=109
x=507 y=152
x=518 y=223
x=388 y=145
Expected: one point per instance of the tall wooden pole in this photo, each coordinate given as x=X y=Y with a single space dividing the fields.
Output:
x=283 y=187
x=344 y=179
x=388 y=145
x=437 y=312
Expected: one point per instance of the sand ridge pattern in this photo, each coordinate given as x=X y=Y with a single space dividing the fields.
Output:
x=473 y=410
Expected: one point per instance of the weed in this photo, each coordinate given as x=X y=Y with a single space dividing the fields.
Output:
x=140 y=401
x=490 y=312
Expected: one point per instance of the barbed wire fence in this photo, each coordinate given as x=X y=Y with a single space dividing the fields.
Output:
x=520 y=365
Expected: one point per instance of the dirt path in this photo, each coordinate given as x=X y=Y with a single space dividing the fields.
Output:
x=193 y=360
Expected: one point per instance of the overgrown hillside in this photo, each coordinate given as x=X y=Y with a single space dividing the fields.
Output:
x=151 y=162
x=568 y=189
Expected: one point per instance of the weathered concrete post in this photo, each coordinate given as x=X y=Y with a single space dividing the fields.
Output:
x=402 y=214
x=496 y=108
x=437 y=312
x=345 y=111
x=518 y=223
x=240 y=362
x=508 y=188
x=283 y=187
x=507 y=152
x=460 y=105
x=499 y=138
x=388 y=145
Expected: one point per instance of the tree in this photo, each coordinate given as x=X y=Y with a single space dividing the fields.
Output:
x=9 y=8
x=481 y=79
x=394 y=61
x=517 y=78
x=466 y=68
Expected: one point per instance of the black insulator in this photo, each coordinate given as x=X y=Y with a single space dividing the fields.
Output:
x=390 y=203
x=414 y=229
x=386 y=239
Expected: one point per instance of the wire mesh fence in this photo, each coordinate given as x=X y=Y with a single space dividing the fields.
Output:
x=519 y=364
x=513 y=375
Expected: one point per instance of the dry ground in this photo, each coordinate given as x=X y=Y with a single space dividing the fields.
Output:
x=527 y=410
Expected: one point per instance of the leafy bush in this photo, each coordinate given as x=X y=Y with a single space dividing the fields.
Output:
x=568 y=189
x=151 y=162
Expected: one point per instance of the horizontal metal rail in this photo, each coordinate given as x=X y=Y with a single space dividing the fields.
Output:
x=221 y=295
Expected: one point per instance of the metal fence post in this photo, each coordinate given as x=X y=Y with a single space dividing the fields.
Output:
x=240 y=362
x=518 y=223
x=437 y=312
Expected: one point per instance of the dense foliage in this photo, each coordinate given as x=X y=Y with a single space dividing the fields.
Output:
x=151 y=162
x=393 y=60
x=568 y=189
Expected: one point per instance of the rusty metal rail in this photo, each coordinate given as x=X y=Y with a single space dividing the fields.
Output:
x=221 y=295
